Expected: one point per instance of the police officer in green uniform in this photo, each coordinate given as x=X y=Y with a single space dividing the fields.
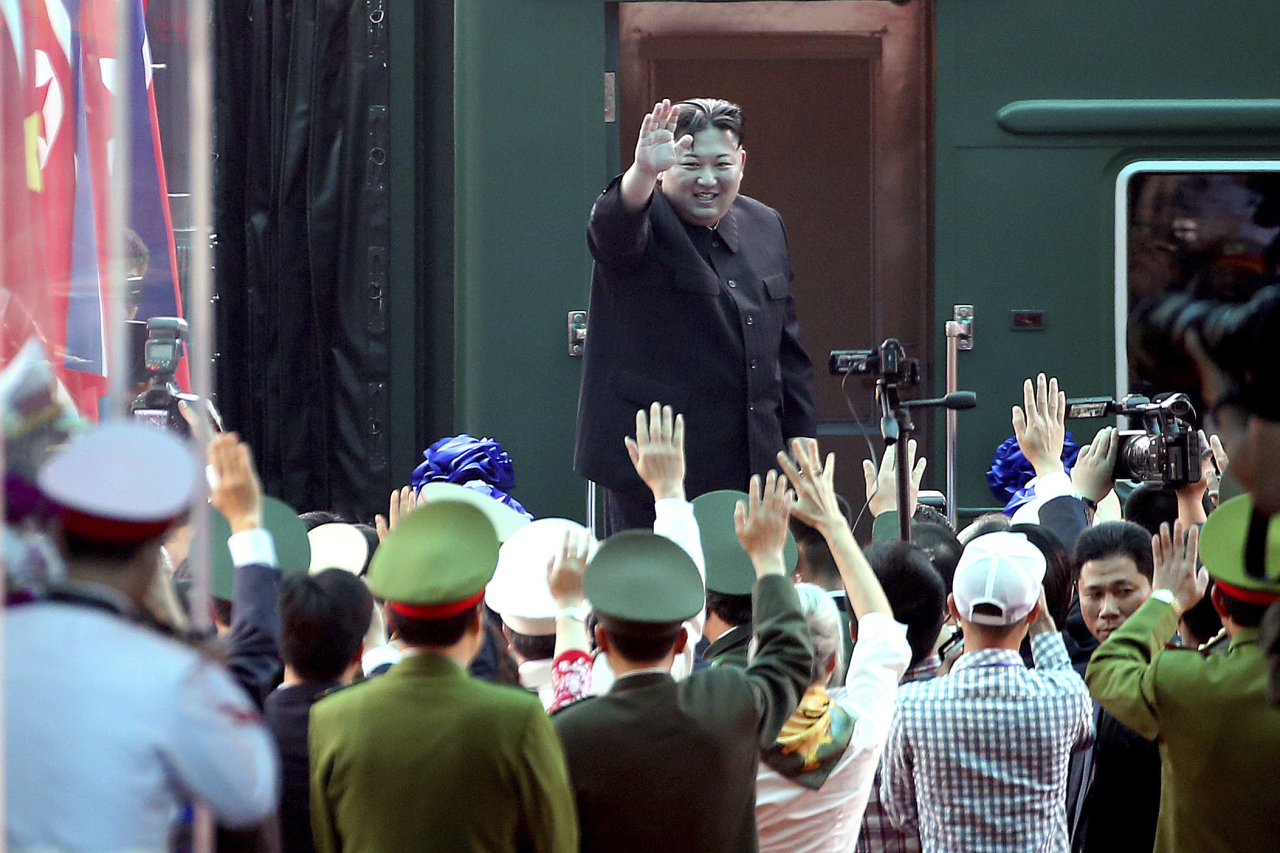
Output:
x=426 y=757
x=1219 y=738
x=658 y=764
x=731 y=577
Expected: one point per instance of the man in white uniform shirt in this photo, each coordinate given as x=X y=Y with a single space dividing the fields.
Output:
x=111 y=726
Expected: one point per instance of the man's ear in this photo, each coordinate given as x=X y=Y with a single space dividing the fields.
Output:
x=681 y=641
x=1219 y=605
x=742 y=165
x=602 y=640
x=951 y=607
x=1031 y=617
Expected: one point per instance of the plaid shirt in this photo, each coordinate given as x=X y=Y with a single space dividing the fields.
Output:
x=878 y=834
x=977 y=758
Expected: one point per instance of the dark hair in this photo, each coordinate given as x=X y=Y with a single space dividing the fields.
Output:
x=316 y=517
x=733 y=609
x=435 y=633
x=1246 y=614
x=532 y=646
x=914 y=589
x=1058 y=574
x=1114 y=539
x=1201 y=619
x=1149 y=505
x=926 y=514
x=698 y=114
x=640 y=642
x=988 y=523
x=323 y=619
x=813 y=548
x=941 y=546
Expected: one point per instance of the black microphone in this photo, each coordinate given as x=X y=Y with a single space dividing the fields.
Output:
x=955 y=400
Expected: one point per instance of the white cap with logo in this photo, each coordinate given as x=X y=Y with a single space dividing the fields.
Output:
x=997 y=581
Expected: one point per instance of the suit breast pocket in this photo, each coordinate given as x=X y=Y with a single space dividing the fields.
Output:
x=777 y=286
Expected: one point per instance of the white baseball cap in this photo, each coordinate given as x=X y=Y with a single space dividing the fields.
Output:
x=1002 y=572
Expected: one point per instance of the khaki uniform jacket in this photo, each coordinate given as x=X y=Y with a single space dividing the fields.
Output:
x=426 y=758
x=662 y=766
x=1219 y=739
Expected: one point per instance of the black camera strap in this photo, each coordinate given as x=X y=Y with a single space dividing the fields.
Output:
x=1255 y=546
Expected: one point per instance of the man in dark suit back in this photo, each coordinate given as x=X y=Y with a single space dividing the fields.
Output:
x=657 y=764
x=323 y=620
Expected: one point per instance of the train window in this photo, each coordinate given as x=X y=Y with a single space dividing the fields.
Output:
x=1210 y=228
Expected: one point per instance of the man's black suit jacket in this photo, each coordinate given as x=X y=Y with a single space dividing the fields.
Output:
x=698 y=319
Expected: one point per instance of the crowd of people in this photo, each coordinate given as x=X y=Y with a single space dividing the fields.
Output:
x=743 y=675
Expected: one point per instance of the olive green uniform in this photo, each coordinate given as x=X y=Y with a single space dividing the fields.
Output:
x=1219 y=739
x=426 y=758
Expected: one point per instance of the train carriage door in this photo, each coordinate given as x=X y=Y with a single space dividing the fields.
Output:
x=836 y=99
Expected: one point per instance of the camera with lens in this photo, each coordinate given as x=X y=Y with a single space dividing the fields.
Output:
x=889 y=363
x=162 y=351
x=1165 y=451
x=1236 y=337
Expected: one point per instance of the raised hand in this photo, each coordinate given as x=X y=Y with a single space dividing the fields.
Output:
x=882 y=485
x=1175 y=569
x=565 y=570
x=1040 y=427
x=236 y=491
x=1092 y=475
x=657 y=149
x=403 y=501
x=657 y=451
x=761 y=523
x=814 y=485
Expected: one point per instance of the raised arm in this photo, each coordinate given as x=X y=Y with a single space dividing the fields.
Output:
x=816 y=504
x=657 y=150
x=781 y=669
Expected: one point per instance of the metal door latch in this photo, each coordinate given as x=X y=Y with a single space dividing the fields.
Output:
x=577 y=332
x=960 y=327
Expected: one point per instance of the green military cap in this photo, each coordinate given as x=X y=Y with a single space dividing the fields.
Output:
x=289 y=534
x=1242 y=551
x=435 y=562
x=504 y=519
x=729 y=569
x=642 y=577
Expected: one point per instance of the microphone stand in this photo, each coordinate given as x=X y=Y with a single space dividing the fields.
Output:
x=896 y=428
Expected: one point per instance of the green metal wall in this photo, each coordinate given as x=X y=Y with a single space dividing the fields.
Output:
x=1026 y=221
x=530 y=158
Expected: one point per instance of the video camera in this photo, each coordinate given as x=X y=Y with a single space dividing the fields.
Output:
x=162 y=352
x=1165 y=451
x=888 y=363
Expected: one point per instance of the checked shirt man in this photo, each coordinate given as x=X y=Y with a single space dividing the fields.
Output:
x=977 y=758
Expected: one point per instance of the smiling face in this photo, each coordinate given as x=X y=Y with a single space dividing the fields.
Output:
x=1111 y=588
x=702 y=186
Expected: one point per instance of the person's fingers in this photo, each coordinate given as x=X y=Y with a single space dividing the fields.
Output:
x=829 y=467
x=1019 y=423
x=633 y=449
x=655 y=423
x=1028 y=397
x=668 y=425
x=869 y=475
x=889 y=462
x=753 y=492
x=677 y=433
x=380 y=525
x=394 y=506
x=642 y=429
x=1042 y=394
x=739 y=518
x=1219 y=452
x=788 y=467
x=1054 y=399
x=917 y=473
